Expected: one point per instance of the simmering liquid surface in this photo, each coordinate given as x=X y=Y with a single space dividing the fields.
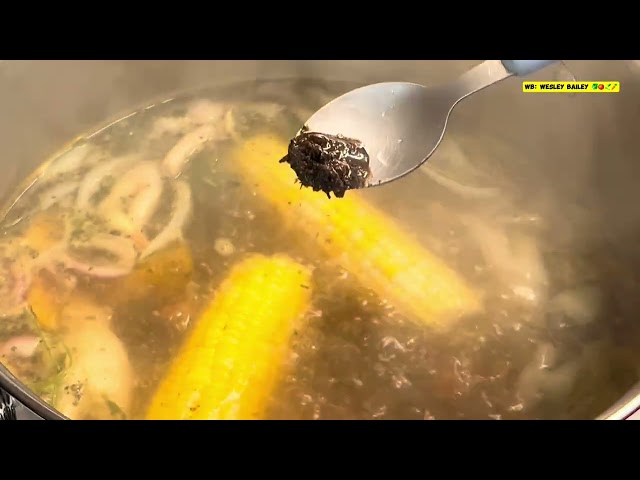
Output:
x=109 y=258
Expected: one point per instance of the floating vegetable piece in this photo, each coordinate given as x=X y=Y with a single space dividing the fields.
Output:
x=161 y=277
x=46 y=298
x=45 y=230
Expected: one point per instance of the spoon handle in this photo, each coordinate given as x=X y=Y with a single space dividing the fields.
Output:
x=490 y=72
x=525 y=67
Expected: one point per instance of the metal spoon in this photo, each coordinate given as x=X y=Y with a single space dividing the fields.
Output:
x=401 y=124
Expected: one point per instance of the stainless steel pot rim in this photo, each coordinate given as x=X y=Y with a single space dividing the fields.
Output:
x=626 y=407
x=30 y=400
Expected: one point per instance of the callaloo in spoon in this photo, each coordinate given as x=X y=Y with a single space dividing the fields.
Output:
x=381 y=132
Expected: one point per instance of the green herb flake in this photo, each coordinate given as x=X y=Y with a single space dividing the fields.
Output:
x=114 y=409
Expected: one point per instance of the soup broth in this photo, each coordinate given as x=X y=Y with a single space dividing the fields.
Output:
x=112 y=254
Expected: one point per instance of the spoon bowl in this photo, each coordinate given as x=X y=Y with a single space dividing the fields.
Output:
x=401 y=124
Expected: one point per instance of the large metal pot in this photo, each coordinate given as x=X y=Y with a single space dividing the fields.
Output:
x=586 y=144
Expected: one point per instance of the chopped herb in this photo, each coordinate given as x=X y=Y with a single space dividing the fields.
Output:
x=76 y=390
x=114 y=409
x=328 y=163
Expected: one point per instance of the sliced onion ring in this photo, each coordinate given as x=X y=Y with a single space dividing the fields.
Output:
x=56 y=194
x=71 y=160
x=119 y=247
x=92 y=180
x=182 y=208
x=188 y=145
x=144 y=183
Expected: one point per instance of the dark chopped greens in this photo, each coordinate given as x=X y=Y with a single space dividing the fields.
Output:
x=114 y=409
x=328 y=163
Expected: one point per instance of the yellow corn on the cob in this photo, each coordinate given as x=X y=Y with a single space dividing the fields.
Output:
x=229 y=364
x=364 y=240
